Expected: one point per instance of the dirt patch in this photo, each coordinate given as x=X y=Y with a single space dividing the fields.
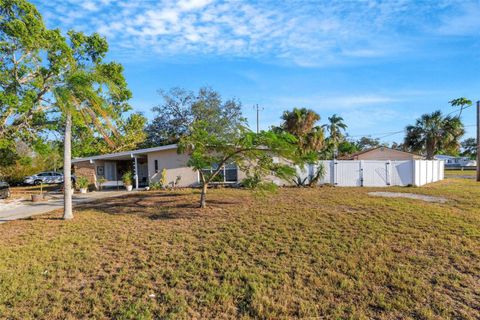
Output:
x=408 y=196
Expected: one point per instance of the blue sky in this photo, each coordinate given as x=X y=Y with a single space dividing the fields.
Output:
x=379 y=64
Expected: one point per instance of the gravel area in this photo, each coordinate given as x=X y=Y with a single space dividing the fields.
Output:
x=414 y=196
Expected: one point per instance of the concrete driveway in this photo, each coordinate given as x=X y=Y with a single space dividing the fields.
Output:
x=15 y=209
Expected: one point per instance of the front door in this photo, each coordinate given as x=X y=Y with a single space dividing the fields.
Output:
x=110 y=171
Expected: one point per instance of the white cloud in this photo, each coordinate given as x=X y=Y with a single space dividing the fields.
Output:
x=305 y=33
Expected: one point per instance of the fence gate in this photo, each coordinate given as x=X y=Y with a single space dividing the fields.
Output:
x=375 y=173
x=348 y=173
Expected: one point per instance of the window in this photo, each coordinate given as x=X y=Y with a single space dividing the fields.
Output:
x=45 y=174
x=231 y=173
x=228 y=174
x=156 y=166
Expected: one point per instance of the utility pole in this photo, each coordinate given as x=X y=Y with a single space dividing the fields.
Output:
x=478 y=141
x=258 y=116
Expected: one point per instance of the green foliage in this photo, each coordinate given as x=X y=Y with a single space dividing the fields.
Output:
x=155 y=186
x=100 y=182
x=215 y=143
x=311 y=180
x=301 y=123
x=346 y=147
x=22 y=161
x=335 y=128
x=462 y=103
x=434 y=134
x=38 y=63
x=208 y=150
x=163 y=178
x=469 y=148
x=365 y=143
x=127 y=134
x=259 y=185
x=82 y=182
x=127 y=178
x=181 y=109
x=252 y=182
x=33 y=60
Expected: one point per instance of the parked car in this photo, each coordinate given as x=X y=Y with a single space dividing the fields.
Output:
x=4 y=190
x=49 y=177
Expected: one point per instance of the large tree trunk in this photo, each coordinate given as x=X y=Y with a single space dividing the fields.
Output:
x=203 y=196
x=67 y=168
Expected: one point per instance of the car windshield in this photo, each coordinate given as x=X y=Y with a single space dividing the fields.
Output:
x=44 y=174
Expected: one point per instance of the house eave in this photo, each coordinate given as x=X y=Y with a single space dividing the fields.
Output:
x=125 y=154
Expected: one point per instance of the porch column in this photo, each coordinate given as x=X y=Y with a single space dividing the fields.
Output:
x=136 y=172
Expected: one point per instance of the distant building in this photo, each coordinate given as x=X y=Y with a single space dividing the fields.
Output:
x=456 y=162
x=382 y=153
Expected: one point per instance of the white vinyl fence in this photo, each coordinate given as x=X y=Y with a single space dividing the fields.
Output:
x=374 y=173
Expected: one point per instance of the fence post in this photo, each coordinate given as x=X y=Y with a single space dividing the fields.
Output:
x=388 y=172
x=361 y=173
x=334 y=172
x=414 y=172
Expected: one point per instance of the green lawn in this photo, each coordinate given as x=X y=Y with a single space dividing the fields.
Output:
x=325 y=252
x=468 y=173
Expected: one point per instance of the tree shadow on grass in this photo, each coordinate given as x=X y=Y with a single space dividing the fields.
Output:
x=155 y=206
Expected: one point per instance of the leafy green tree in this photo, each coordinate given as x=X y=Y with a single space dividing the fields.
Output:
x=434 y=134
x=469 y=148
x=246 y=149
x=462 y=103
x=32 y=59
x=365 y=143
x=347 y=147
x=398 y=146
x=216 y=134
x=124 y=134
x=181 y=108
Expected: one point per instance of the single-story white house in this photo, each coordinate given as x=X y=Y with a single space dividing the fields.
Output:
x=455 y=162
x=146 y=165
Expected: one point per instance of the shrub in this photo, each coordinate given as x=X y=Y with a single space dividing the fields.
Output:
x=256 y=183
x=82 y=182
x=127 y=178
x=252 y=182
x=155 y=186
x=163 y=178
x=101 y=181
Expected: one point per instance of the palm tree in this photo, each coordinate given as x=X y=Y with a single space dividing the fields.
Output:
x=75 y=97
x=300 y=122
x=334 y=128
x=462 y=103
x=433 y=133
x=92 y=92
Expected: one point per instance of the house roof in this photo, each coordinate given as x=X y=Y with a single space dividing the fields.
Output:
x=125 y=155
x=356 y=154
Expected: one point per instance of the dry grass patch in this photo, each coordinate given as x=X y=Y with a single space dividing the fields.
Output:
x=331 y=252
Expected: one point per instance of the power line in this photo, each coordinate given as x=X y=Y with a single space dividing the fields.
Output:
x=382 y=135
x=391 y=133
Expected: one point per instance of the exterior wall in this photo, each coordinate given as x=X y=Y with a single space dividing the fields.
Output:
x=86 y=169
x=175 y=164
x=386 y=154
